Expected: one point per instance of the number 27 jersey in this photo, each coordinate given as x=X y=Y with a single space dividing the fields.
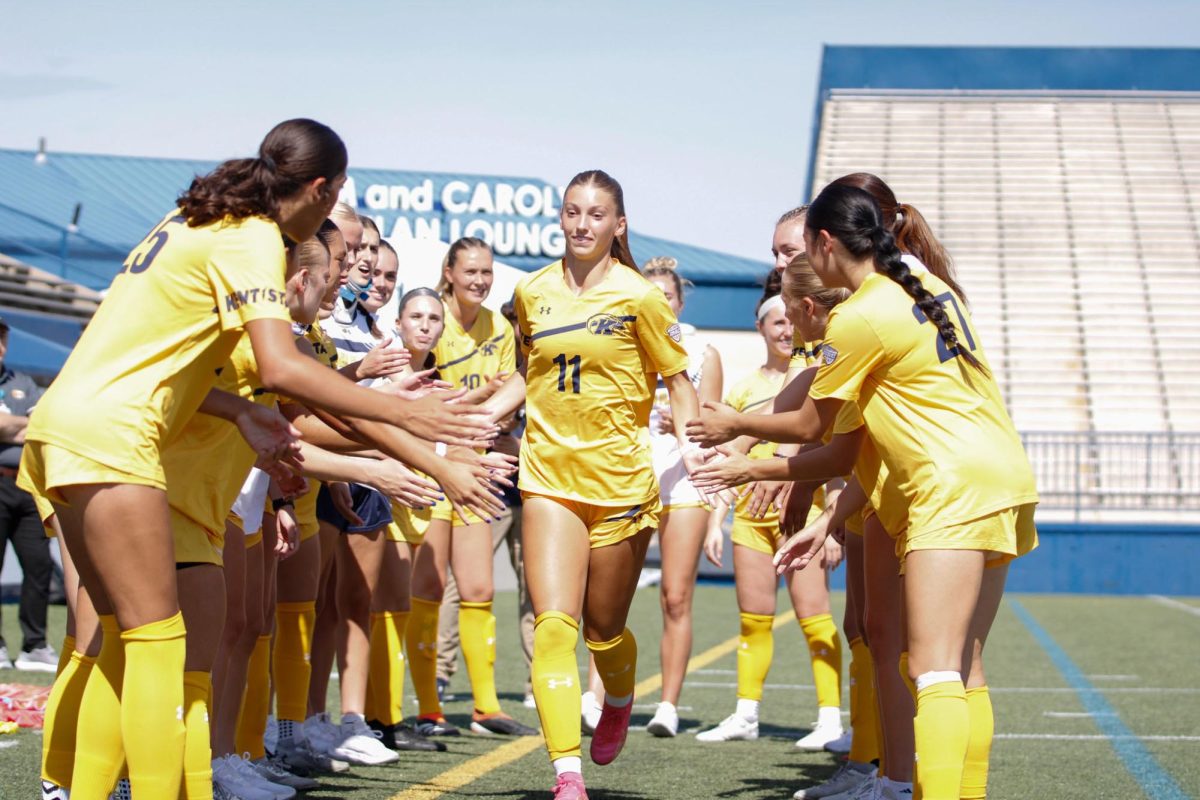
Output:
x=593 y=362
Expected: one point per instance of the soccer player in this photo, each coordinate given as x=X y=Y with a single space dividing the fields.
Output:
x=595 y=333
x=684 y=517
x=903 y=348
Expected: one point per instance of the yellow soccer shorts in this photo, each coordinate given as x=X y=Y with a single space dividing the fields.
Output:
x=408 y=524
x=47 y=467
x=765 y=537
x=608 y=525
x=248 y=541
x=306 y=511
x=45 y=512
x=444 y=510
x=194 y=544
x=1004 y=535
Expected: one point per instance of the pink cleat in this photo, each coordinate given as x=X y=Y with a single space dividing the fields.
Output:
x=609 y=737
x=569 y=786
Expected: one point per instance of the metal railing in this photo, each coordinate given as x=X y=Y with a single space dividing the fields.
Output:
x=1095 y=471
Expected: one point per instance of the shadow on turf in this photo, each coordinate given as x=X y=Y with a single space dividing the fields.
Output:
x=541 y=794
x=803 y=775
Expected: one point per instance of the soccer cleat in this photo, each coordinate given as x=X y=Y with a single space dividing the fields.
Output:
x=569 y=786
x=589 y=712
x=4 y=662
x=529 y=701
x=386 y=733
x=826 y=729
x=499 y=724
x=665 y=723
x=846 y=780
x=39 y=659
x=221 y=793
x=841 y=745
x=405 y=737
x=610 y=733
x=891 y=790
x=361 y=745
x=734 y=728
x=246 y=768
x=52 y=791
x=300 y=758
x=430 y=726
x=271 y=734
x=274 y=770
x=227 y=773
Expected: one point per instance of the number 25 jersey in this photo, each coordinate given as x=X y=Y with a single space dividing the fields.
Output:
x=592 y=366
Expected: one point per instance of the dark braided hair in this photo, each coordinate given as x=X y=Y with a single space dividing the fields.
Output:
x=852 y=216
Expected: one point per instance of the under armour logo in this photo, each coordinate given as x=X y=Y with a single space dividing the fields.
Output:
x=179 y=713
x=556 y=684
x=543 y=309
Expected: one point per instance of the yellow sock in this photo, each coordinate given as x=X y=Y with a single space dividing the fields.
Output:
x=825 y=649
x=152 y=706
x=197 y=754
x=941 y=730
x=64 y=655
x=256 y=700
x=101 y=752
x=908 y=681
x=477 y=632
x=979 y=745
x=293 y=647
x=62 y=716
x=385 y=692
x=421 y=643
x=864 y=708
x=616 y=661
x=555 y=676
x=756 y=648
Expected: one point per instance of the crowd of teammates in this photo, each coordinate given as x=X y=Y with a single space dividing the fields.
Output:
x=269 y=481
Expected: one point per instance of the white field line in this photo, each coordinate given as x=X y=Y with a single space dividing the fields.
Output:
x=1092 y=737
x=1112 y=677
x=1175 y=604
x=992 y=689
x=1073 y=714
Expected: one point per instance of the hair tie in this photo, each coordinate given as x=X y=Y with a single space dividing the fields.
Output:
x=268 y=163
x=770 y=304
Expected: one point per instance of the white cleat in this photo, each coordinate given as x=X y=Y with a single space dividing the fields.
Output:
x=665 y=723
x=841 y=745
x=827 y=728
x=230 y=776
x=52 y=791
x=271 y=734
x=320 y=733
x=732 y=728
x=845 y=781
x=361 y=745
x=590 y=712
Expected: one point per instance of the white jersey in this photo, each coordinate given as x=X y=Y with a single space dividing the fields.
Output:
x=350 y=330
x=674 y=487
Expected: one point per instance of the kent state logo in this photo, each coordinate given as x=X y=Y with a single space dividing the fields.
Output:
x=605 y=325
x=487 y=348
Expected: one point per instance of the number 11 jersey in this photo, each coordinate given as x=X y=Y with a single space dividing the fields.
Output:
x=593 y=362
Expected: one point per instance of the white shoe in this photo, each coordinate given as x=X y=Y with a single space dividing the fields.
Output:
x=890 y=790
x=271 y=734
x=228 y=775
x=846 y=780
x=870 y=789
x=245 y=767
x=275 y=771
x=826 y=729
x=361 y=745
x=841 y=745
x=52 y=791
x=320 y=733
x=41 y=659
x=732 y=728
x=590 y=712
x=665 y=723
x=529 y=701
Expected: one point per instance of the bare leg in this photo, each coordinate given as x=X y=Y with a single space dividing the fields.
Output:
x=680 y=537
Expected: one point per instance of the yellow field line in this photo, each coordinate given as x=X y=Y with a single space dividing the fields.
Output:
x=472 y=770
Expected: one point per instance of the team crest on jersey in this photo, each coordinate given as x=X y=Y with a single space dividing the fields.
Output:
x=675 y=332
x=828 y=354
x=605 y=324
x=487 y=348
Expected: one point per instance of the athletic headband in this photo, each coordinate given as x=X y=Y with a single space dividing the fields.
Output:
x=769 y=305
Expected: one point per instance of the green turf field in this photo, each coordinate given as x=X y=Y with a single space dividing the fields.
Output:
x=1136 y=735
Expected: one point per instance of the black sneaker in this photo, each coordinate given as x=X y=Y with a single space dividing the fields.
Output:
x=436 y=727
x=385 y=732
x=500 y=724
x=405 y=737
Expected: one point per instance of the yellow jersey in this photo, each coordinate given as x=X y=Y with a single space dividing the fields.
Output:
x=938 y=424
x=802 y=352
x=207 y=463
x=592 y=365
x=749 y=396
x=469 y=359
x=151 y=352
x=326 y=353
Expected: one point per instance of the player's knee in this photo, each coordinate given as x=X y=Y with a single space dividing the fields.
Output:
x=554 y=633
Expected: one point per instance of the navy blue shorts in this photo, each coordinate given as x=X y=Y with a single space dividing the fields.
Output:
x=370 y=505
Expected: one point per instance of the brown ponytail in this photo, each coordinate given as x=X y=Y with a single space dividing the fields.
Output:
x=451 y=258
x=799 y=282
x=601 y=179
x=293 y=153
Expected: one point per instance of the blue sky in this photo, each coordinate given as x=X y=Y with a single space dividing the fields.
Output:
x=701 y=109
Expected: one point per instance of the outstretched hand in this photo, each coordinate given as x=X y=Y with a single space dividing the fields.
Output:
x=717 y=424
x=798 y=550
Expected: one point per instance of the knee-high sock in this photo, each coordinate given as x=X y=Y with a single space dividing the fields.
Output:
x=825 y=649
x=256 y=700
x=756 y=648
x=197 y=754
x=62 y=717
x=294 y=624
x=941 y=730
x=421 y=642
x=101 y=752
x=64 y=655
x=385 y=691
x=902 y=665
x=477 y=634
x=375 y=666
x=616 y=661
x=864 y=708
x=556 y=682
x=152 y=706
x=979 y=745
